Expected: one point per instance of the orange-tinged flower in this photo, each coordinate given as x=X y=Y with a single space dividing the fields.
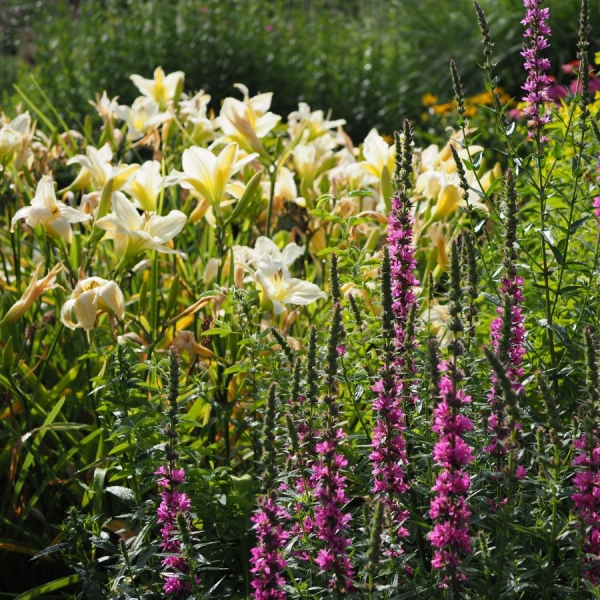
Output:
x=34 y=290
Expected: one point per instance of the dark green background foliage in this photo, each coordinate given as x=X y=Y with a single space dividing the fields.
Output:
x=368 y=62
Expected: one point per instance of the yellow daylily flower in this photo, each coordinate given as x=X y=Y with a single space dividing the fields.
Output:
x=34 y=290
x=45 y=209
x=246 y=123
x=141 y=117
x=145 y=185
x=162 y=88
x=315 y=122
x=378 y=155
x=210 y=175
x=133 y=233
x=279 y=287
x=90 y=296
x=96 y=169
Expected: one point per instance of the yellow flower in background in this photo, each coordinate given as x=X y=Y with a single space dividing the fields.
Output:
x=162 y=88
x=133 y=233
x=210 y=175
x=34 y=290
x=90 y=296
x=45 y=209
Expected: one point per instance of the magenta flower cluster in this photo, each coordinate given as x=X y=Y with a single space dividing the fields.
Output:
x=510 y=287
x=389 y=445
x=389 y=454
x=538 y=82
x=449 y=509
x=331 y=524
x=267 y=561
x=173 y=503
x=586 y=498
x=403 y=263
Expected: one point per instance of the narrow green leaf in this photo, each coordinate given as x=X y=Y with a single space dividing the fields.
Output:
x=46 y=588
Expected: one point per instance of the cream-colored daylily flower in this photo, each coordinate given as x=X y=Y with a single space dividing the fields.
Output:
x=96 y=169
x=105 y=107
x=246 y=123
x=141 y=117
x=194 y=114
x=313 y=158
x=280 y=288
x=34 y=290
x=90 y=296
x=15 y=140
x=162 y=88
x=315 y=122
x=45 y=209
x=133 y=233
x=265 y=246
x=145 y=185
x=378 y=154
x=210 y=175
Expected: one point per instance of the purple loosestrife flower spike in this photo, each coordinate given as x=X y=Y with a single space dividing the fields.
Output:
x=507 y=329
x=331 y=524
x=389 y=446
x=537 y=82
x=449 y=509
x=586 y=482
x=174 y=503
x=266 y=558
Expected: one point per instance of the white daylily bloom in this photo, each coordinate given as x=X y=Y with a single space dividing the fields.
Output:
x=280 y=288
x=145 y=185
x=194 y=113
x=378 y=154
x=96 y=169
x=105 y=107
x=162 y=88
x=266 y=246
x=312 y=158
x=209 y=174
x=45 y=209
x=90 y=296
x=247 y=122
x=133 y=233
x=142 y=116
x=15 y=139
x=315 y=122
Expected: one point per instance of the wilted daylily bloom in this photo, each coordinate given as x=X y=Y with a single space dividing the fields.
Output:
x=133 y=233
x=96 y=169
x=34 y=290
x=280 y=288
x=141 y=117
x=162 y=88
x=90 y=296
x=145 y=185
x=47 y=210
x=209 y=174
x=247 y=122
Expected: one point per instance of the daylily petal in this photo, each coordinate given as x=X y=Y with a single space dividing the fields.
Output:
x=165 y=228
